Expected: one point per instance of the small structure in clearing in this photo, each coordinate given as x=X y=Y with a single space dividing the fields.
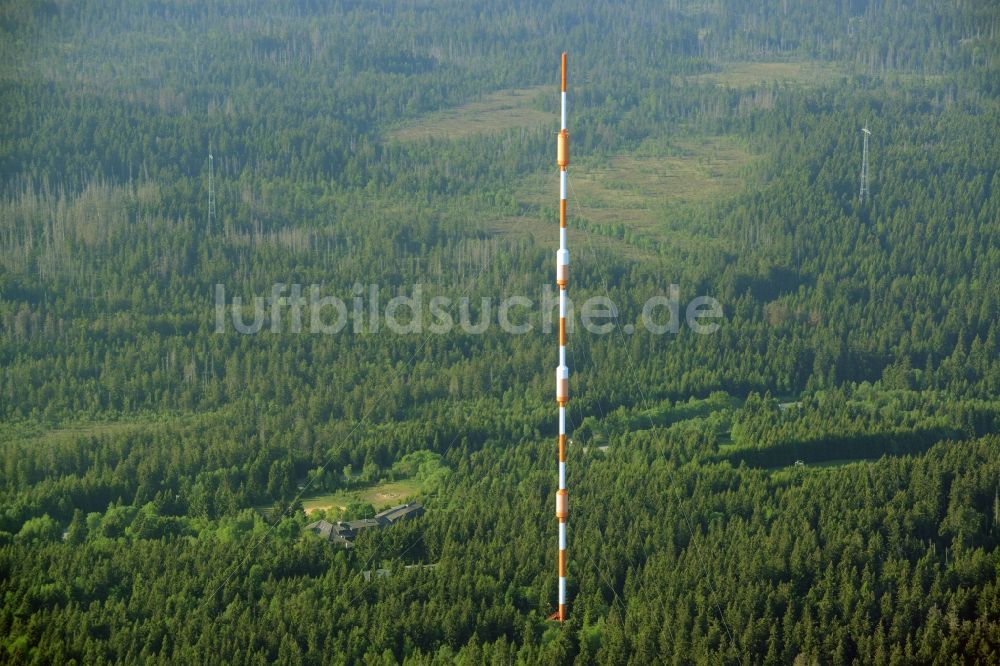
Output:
x=343 y=533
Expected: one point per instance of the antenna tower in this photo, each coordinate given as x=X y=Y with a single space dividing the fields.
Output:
x=864 y=166
x=211 y=193
x=562 y=372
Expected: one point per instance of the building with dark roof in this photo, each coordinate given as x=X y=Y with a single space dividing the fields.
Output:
x=362 y=524
x=401 y=512
x=338 y=533
x=343 y=533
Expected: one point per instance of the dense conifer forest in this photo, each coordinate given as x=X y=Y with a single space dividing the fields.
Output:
x=815 y=482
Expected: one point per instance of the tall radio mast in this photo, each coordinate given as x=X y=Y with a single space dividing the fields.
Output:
x=562 y=372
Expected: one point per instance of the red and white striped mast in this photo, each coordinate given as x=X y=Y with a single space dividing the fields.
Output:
x=562 y=372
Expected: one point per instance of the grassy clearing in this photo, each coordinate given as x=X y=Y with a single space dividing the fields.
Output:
x=697 y=170
x=505 y=110
x=614 y=201
x=749 y=74
x=792 y=473
x=38 y=434
x=746 y=74
x=638 y=194
x=380 y=496
x=840 y=462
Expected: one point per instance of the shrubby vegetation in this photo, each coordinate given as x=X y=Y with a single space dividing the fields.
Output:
x=137 y=444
